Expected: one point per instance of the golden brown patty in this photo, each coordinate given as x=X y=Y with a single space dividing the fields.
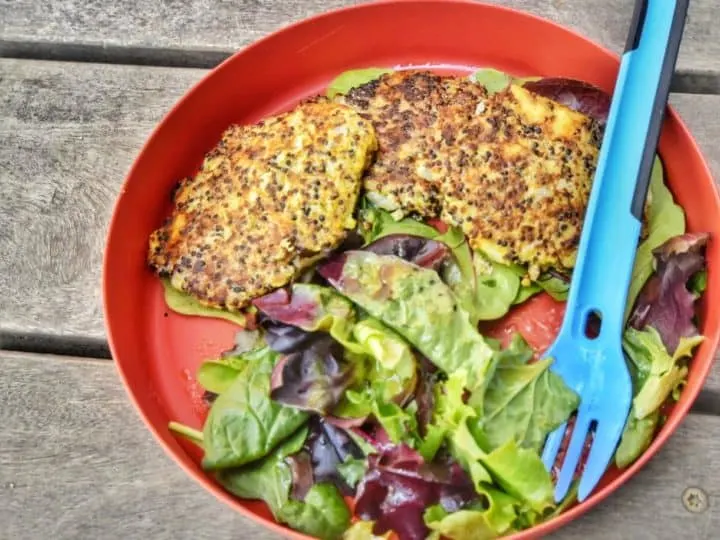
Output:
x=512 y=169
x=268 y=198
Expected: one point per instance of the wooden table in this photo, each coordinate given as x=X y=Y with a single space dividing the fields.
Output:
x=81 y=85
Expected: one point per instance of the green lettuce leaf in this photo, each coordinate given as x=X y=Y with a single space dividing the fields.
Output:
x=523 y=402
x=655 y=375
x=348 y=80
x=555 y=287
x=492 y=79
x=415 y=303
x=636 y=438
x=375 y=223
x=665 y=220
x=698 y=283
x=518 y=471
x=657 y=372
x=495 y=81
x=184 y=304
x=362 y=530
x=244 y=424
x=352 y=470
x=486 y=289
x=494 y=520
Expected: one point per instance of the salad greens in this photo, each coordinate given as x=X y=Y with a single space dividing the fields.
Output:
x=524 y=402
x=666 y=219
x=182 y=303
x=322 y=514
x=655 y=374
x=244 y=424
x=397 y=292
x=348 y=80
x=371 y=378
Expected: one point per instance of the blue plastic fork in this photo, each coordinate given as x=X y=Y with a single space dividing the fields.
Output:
x=594 y=366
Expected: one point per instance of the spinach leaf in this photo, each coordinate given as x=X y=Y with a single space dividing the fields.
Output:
x=348 y=80
x=269 y=479
x=244 y=424
x=497 y=287
x=555 y=287
x=665 y=220
x=526 y=292
x=523 y=402
x=322 y=514
x=183 y=303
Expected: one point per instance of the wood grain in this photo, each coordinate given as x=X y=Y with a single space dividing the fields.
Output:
x=77 y=463
x=68 y=134
x=202 y=32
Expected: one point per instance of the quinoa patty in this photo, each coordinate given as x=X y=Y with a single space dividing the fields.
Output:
x=267 y=201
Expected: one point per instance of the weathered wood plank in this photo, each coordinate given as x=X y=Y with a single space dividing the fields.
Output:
x=76 y=463
x=68 y=134
x=201 y=32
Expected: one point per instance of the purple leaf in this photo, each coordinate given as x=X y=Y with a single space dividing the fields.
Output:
x=399 y=486
x=577 y=95
x=285 y=339
x=302 y=474
x=425 y=394
x=328 y=447
x=313 y=378
x=294 y=309
x=415 y=249
x=665 y=303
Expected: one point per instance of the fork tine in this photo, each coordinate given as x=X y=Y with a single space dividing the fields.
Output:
x=606 y=439
x=552 y=446
x=573 y=455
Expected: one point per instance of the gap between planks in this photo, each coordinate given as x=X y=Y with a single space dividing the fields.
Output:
x=74 y=349
x=686 y=82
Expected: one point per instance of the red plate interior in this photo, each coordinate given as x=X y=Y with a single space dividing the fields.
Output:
x=157 y=352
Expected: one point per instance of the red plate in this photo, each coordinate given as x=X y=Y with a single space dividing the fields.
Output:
x=157 y=352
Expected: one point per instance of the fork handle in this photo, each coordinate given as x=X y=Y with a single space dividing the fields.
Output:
x=612 y=224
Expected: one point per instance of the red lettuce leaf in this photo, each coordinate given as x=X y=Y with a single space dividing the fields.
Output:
x=577 y=95
x=399 y=486
x=415 y=249
x=313 y=378
x=283 y=306
x=665 y=303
